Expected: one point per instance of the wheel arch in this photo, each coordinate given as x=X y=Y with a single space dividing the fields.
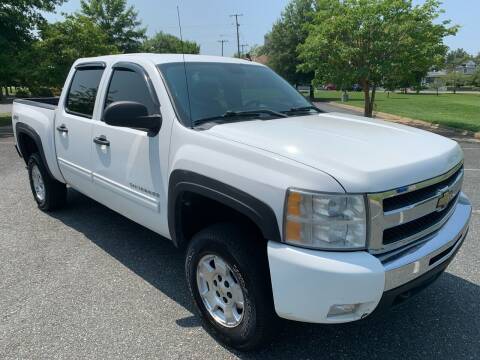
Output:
x=227 y=197
x=26 y=137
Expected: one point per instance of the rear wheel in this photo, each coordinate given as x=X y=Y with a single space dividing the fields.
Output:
x=227 y=275
x=49 y=193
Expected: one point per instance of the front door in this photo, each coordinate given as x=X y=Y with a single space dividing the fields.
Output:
x=126 y=161
x=74 y=126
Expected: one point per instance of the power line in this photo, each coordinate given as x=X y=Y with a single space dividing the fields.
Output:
x=238 y=34
x=222 y=42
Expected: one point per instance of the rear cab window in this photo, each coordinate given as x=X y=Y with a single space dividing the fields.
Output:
x=83 y=91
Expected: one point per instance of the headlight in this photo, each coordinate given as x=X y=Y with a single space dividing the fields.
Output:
x=325 y=221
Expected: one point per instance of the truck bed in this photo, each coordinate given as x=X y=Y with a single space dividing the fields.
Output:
x=35 y=117
x=44 y=102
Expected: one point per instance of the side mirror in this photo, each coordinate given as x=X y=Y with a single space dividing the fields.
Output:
x=133 y=115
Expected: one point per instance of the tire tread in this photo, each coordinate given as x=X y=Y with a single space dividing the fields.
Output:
x=55 y=191
x=249 y=252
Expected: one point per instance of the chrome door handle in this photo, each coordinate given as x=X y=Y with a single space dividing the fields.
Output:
x=101 y=140
x=62 y=128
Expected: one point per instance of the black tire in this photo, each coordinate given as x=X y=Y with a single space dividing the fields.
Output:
x=55 y=194
x=245 y=254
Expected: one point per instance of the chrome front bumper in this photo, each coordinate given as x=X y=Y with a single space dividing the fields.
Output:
x=430 y=252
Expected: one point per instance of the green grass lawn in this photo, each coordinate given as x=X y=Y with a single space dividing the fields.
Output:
x=454 y=110
x=5 y=119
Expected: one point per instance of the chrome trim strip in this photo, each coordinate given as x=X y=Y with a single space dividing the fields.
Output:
x=424 y=232
x=417 y=210
x=417 y=186
x=415 y=262
x=379 y=221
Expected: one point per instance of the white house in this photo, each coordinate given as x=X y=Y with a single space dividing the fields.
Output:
x=467 y=68
x=432 y=75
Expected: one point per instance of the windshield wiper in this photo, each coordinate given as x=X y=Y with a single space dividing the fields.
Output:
x=302 y=109
x=239 y=114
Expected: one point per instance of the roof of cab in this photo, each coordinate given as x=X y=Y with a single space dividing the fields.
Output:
x=165 y=58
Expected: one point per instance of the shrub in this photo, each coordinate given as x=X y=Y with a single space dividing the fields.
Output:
x=42 y=91
x=22 y=92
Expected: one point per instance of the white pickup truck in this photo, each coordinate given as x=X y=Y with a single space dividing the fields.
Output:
x=284 y=211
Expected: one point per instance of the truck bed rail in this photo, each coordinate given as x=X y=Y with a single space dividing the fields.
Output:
x=47 y=102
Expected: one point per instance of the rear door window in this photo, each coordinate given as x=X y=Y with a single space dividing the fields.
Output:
x=83 y=91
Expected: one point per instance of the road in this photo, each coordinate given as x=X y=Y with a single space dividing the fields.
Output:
x=5 y=108
x=85 y=282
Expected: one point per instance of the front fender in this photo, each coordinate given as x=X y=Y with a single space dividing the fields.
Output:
x=187 y=181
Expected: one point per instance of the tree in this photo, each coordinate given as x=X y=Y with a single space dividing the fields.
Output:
x=257 y=50
x=167 y=43
x=18 y=20
x=372 y=42
x=282 y=41
x=118 y=21
x=457 y=79
x=438 y=83
x=477 y=59
x=456 y=57
x=476 y=77
x=453 y=60
x=62 y=43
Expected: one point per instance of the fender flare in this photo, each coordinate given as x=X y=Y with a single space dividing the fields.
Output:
x=257 y=211
x=22 y=128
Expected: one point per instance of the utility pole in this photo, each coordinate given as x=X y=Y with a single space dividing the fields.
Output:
x=222 y=42
x=238 y=34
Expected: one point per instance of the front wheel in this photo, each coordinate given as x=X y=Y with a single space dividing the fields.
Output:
x=49 y=193
x=227 y=275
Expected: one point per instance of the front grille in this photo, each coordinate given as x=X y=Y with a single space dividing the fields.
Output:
x=402 y=216
x=416 y=196
x=408 y=229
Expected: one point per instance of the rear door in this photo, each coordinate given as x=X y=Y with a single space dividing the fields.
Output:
x=74 y=126
x=126 y=161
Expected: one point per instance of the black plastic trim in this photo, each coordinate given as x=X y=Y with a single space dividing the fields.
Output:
x=186 y=181
x=22 y=128
x=91 y=64
x=142 y=72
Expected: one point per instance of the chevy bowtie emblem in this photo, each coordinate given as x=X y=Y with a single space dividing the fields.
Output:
x=444 y=200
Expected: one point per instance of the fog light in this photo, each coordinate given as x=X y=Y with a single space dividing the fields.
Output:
x=342 y=309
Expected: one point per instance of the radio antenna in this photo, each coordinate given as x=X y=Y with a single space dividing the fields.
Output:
x=184 y=66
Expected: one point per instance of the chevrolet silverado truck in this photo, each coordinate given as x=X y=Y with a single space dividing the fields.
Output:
x=284 y=211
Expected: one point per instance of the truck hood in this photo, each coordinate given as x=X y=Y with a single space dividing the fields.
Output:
x=362 y=154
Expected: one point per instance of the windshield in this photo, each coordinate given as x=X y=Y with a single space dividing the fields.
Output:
x=216 y=89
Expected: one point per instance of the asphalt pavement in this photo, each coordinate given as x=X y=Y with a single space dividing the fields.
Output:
x=85 y=282
x=5 y=108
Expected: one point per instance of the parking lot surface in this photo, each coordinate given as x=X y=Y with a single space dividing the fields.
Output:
x=5 y=108
x=85 y=282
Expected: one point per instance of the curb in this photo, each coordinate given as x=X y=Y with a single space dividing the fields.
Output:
x=412 y=122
